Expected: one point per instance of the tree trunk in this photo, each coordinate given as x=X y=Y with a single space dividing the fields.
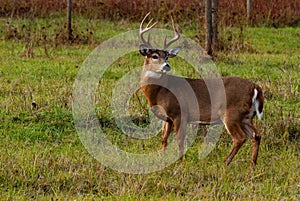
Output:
x=69 y=20
x=215 y=40
x=249 y=9
x=209 y=29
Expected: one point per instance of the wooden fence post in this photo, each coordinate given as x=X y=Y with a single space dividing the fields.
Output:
x=209 y=29
x=69 y=20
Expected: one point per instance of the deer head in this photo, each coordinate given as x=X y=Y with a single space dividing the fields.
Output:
x=156 y=60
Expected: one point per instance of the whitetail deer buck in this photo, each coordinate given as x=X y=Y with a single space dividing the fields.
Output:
x=244 y=99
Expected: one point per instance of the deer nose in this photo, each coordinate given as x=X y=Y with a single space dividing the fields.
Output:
x=166 y=67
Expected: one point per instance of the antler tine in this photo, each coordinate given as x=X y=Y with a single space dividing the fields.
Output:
x=175 y=38
x=149 y=39
x=141 y=25
x=149 y=23
x=147 y=28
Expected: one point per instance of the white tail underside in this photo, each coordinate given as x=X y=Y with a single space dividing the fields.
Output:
x=255 y=104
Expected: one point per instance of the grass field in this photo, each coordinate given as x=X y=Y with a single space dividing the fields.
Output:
x=43 y=158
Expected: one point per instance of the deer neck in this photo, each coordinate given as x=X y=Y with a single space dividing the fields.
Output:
x=151 y=83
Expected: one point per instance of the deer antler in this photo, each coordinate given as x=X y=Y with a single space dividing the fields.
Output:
x=142 y=31
x=175 y=38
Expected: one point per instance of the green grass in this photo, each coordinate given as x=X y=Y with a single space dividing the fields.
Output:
x=43 y=158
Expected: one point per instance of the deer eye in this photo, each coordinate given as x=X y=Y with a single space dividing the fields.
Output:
x=154 y=56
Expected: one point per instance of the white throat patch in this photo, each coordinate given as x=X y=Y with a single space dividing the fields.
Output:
x=152 y=74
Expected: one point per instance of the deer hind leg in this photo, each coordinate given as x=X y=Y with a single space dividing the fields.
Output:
x=237 y=136
x=180 y=125
x=255 y=137
x=166 y=130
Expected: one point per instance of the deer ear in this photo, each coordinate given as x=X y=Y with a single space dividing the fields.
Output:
x=174 y=51
x=144 y=50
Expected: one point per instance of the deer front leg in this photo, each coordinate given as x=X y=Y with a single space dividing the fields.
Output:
x=166 y=130
x=180 y=125
x=238 y=139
